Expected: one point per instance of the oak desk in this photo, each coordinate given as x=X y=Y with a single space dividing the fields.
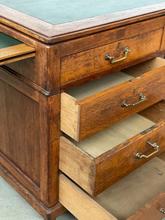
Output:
x=69 y=71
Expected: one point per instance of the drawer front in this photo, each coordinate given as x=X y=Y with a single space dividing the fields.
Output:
x=163 y=41
x=92 y=114
x=114 y=165
x=78 y=202
x=85 y=64
x=154 y=210
x=12 y=50
x=107 y=108
x=98 y=173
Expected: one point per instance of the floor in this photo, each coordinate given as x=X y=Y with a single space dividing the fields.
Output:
x=14 y=207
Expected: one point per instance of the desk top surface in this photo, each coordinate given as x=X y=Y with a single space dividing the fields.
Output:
x=44 y=16
x=63 y=11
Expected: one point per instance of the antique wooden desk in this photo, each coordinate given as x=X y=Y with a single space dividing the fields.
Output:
x=82 y=87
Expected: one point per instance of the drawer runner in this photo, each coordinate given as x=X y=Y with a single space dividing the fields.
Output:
x=12 y=50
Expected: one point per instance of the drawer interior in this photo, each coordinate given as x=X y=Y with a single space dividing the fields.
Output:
x=106 y=82
x=147 y=66
x=96 y=86
x=12 y=50
x=109 y=138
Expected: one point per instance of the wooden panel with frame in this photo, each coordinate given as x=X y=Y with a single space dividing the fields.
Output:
x=29 y=122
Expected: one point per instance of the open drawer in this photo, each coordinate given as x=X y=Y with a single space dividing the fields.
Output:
x=12 y=50
x=99 y=161
x=96 y=105
x=119 y=201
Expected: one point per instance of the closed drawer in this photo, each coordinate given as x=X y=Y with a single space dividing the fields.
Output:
x=121 y=200
x=12 y=50
x=99 y=161
x=96 y=105
x=121 y=54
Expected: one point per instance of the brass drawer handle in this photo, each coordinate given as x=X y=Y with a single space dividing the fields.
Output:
x=142 y=98
x=155 y=146
x=113 y=60
x=162 y=210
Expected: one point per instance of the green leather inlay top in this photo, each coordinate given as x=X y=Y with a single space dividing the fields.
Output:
x=62 y=11
x=6 y=41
